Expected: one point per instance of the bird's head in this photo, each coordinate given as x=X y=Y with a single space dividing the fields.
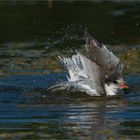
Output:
x=113 y=86
x=120 y=83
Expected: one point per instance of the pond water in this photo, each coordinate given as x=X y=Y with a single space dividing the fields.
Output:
x=33 y=34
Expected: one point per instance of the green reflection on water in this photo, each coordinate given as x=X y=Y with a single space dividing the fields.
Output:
x=32 y=32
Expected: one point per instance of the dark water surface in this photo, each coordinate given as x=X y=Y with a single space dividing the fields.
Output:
x=32 y=35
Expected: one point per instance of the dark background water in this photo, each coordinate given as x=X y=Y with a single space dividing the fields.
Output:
x=32 y=35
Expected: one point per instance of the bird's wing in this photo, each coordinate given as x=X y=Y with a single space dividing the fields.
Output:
x=83 y=71
x=73 y=67
x=105 y=59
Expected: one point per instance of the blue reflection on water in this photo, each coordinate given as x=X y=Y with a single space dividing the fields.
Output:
x=24 y=110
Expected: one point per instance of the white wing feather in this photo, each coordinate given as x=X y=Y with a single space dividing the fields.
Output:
x=84 y=73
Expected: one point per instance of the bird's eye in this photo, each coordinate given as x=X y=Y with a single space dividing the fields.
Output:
x=115 y=82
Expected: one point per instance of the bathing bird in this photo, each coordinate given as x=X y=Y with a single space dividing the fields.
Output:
x=96 y=72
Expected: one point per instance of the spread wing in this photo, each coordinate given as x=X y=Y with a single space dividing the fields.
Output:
x=84 y=73
x=105 y=59
x=93 y=73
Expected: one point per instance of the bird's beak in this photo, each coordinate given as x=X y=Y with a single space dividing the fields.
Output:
x=123 y=86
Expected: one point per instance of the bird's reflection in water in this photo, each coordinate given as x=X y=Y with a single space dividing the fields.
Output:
x=83 y=117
